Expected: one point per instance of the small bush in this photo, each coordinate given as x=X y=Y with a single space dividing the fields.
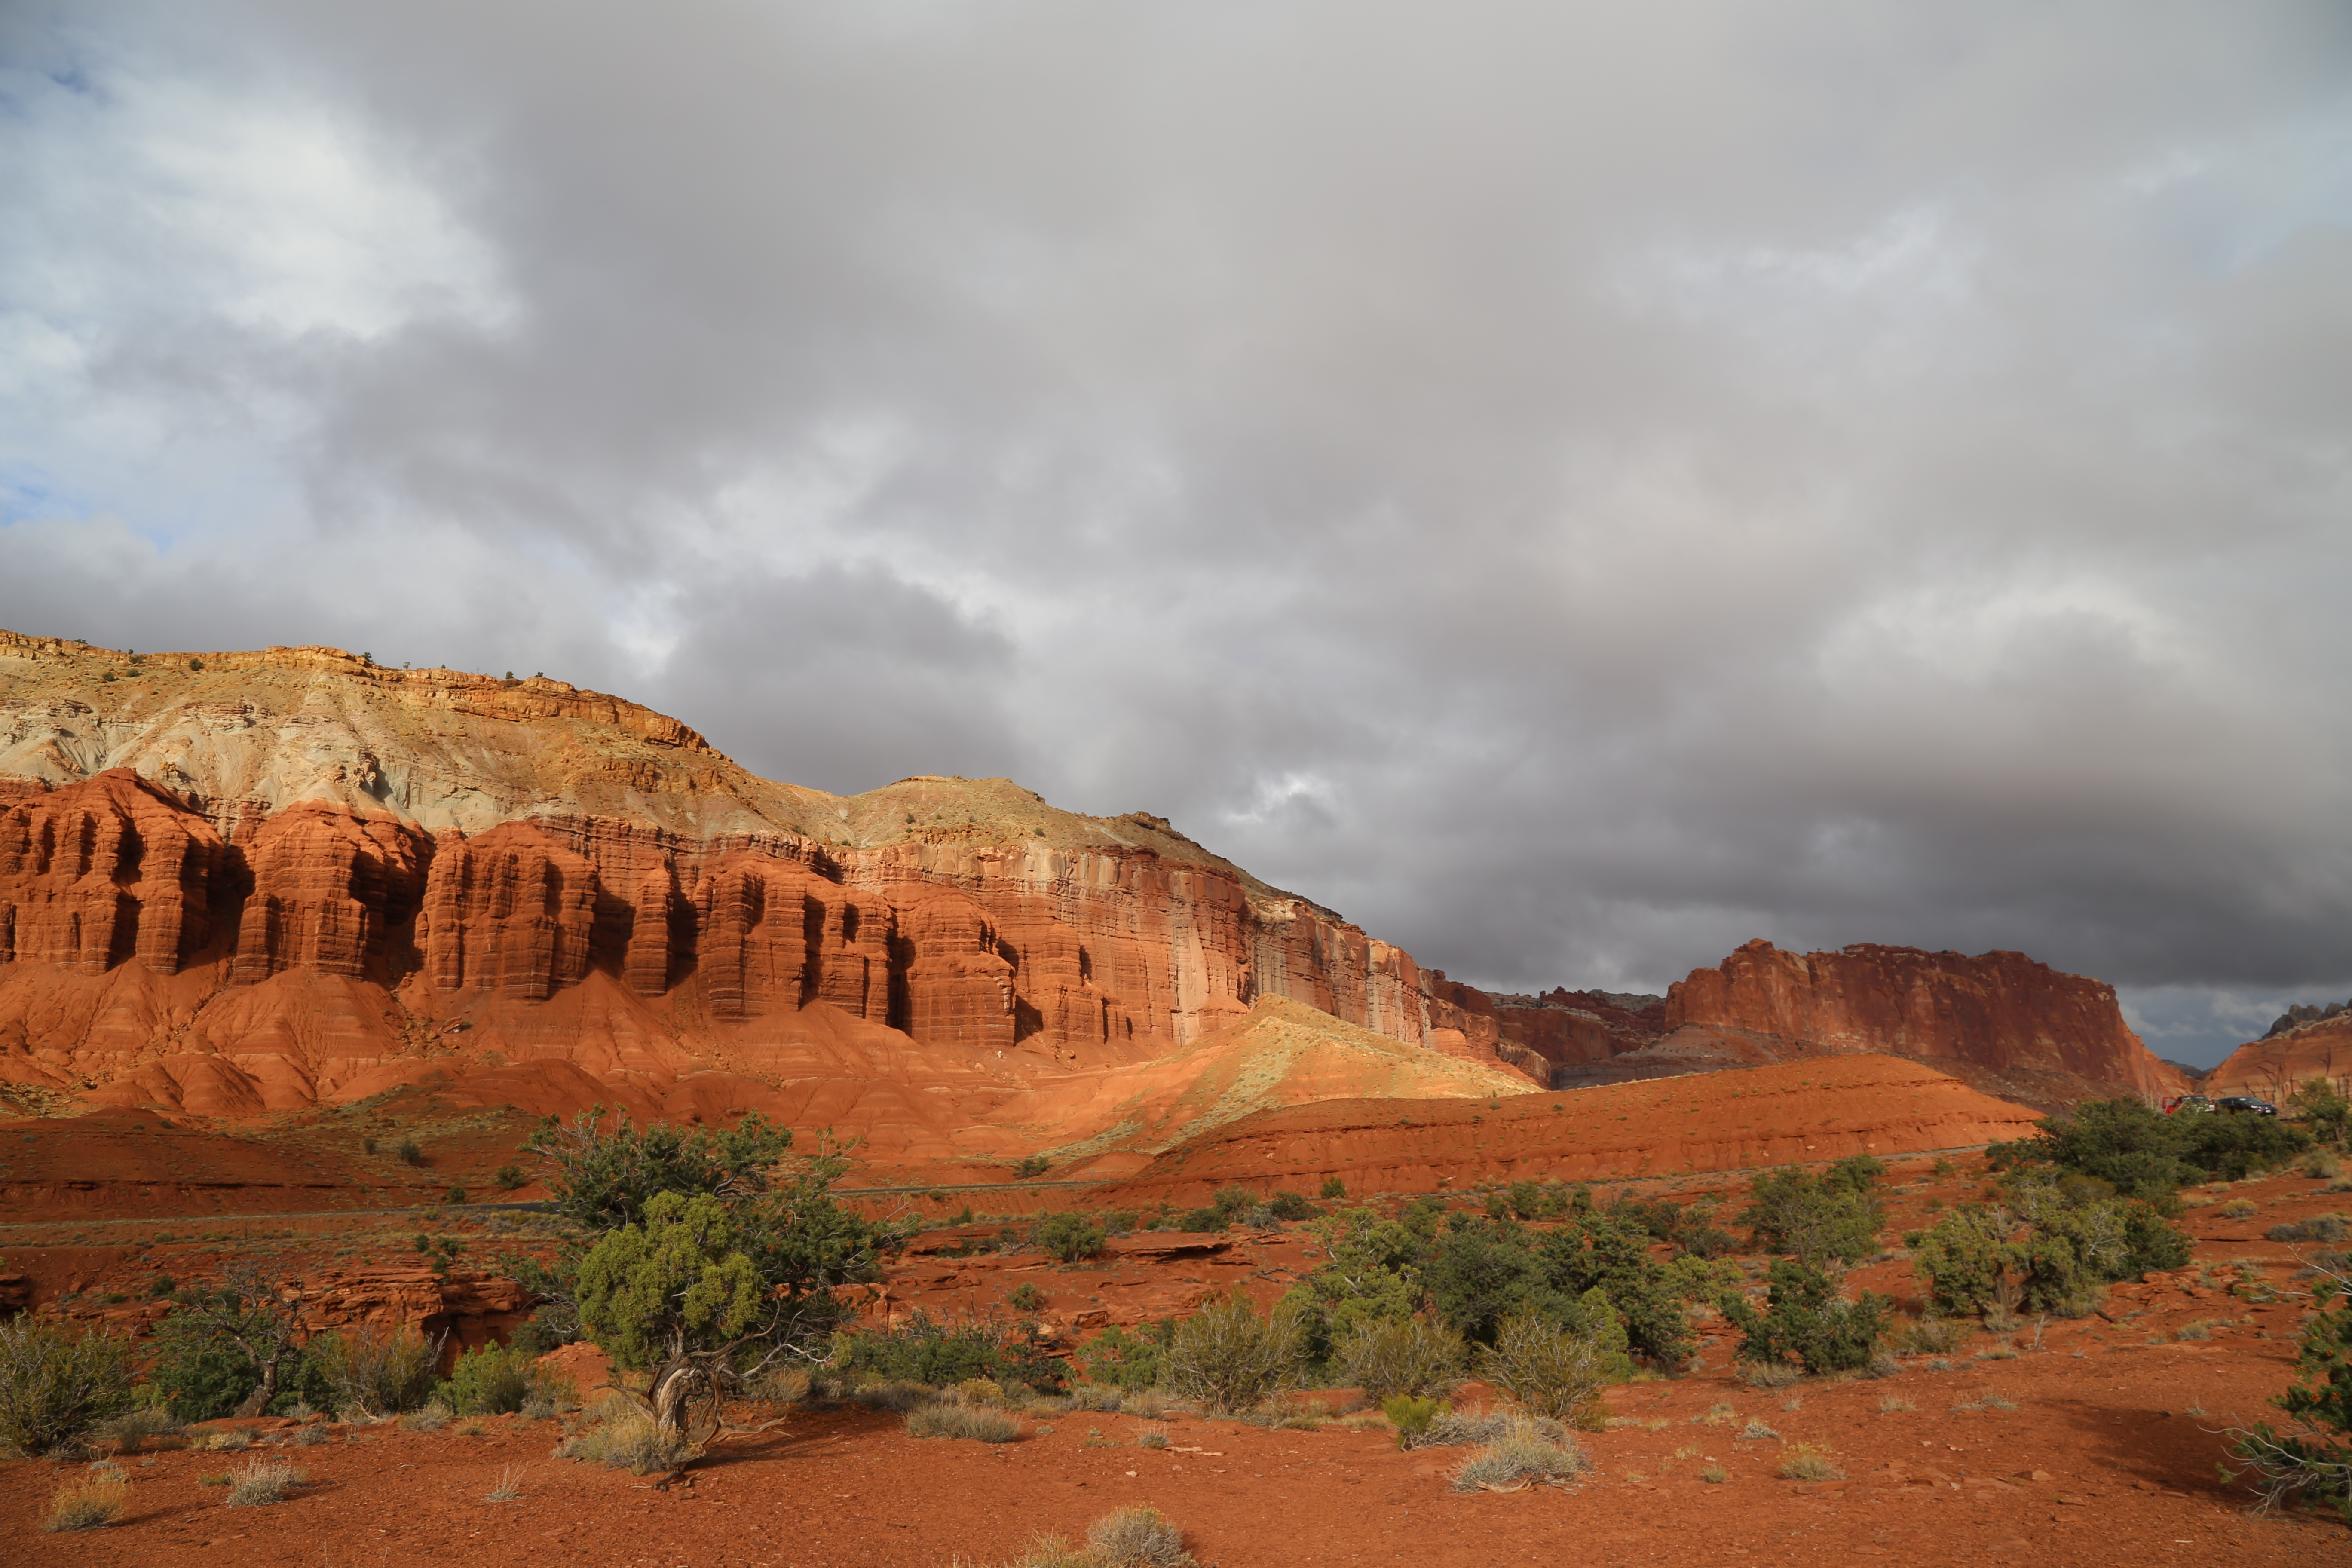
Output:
x=55 y=1384
x=309 y=1436
x=1070 y=1238
x=977 y=1422
x=1153 y=1437
x=1334 y=1189
x=495 y=1380
x=2319 y=1165
x=1890 y=1404
x=1230 y=1358
x=376 y=1372
x=509 y=1486
x=2237 y=1208
x=1757 y=1432
x=235 y=1441
x=408 y=1154
x=1804 y=1318
x=88 y=1500
x=622 y=1435
x=2321 y=1227
x=1409 y=1417
x=1387 y=1357
x=1131 y=1361
x=1290 y=1207
x=1469 y=1428
x=1137 y=1537
x=509 y=1178
x=1715 y=1475
x=432 y=1419
x=1550 y=1370
x=1025 y=1298
x=1810 y=1462
x=921 y=1351
x=261 y=1481
x=1521 y=1456
x=1030 y=1165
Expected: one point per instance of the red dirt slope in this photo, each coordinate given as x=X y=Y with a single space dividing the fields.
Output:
x=1787 y=1113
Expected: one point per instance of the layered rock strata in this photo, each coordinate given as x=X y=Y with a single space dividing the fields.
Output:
x=245 y=881
x=1995 y=1010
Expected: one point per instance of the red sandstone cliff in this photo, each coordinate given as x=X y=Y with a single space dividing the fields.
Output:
x=237 y=882
x=2000 y=1011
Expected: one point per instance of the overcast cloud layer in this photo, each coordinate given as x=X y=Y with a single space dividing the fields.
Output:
x=1573 y=491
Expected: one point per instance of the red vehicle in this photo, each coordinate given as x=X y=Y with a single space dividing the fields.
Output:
x=2186 y=1102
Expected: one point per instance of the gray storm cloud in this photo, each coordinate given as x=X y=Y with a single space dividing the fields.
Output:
x=1574 y=489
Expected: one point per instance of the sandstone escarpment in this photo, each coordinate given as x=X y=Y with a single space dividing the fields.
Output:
x=1995 y=1010
x=2275 y=1065
x=247 y=881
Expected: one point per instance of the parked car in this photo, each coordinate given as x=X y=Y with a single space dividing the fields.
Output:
x=2245 y=1102
x=2180 y=1102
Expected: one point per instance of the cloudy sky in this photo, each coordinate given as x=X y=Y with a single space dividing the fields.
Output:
x=1574 y=488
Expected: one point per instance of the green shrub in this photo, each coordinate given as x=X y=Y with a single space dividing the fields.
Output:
x=2148 y=1155
x=2320 y=1227
x=1804 y=1318
x=1025 y=1298
x=978 y=1422
x=1227 y=1205
x=1030 y=1165
x=408 y=1154
x=1389 y=1356
x=921 y=1351
x=1410 y=1417
x=56 y=1385
x=494 y=1380
x=1290 y=1207
x=1229 y=1356
x=509 y=1177
x=2058 y=1254
x=1070 y=1236
x=1556 y=1369
x=1834 y=1216
x=1129 y=1360
x=376 y=1371
x=1334 y=1190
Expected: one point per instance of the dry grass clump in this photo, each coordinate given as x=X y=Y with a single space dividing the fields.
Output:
x=1138 y=1537
x=377 y=1373
x=260 y=1482
x=886 y=1394
x=623 y=1435
x=1522 y=1456
x=1757 y=1432
x=2237 y=1208
x=310 y=1436
x=1810 y=1462
x=1891 y=1403
x=1770 y=1373
x=1468 y=1428
x=1094 y=1399
x=90 y=1499
x=432 y=1419
x=231 y=1440
x=1715 y=1475
x=1934 y=1336
x=977 y=1422
x=509 y=1486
